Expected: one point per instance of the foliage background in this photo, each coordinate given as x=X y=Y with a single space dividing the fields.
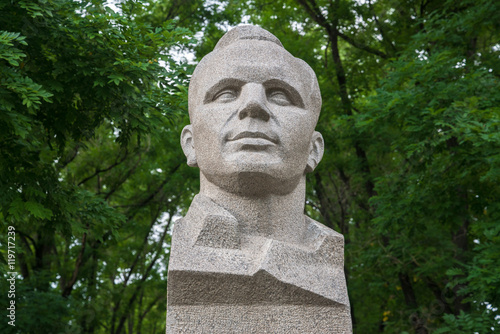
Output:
x=93 y=96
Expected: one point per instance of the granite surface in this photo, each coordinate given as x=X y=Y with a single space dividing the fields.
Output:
x=245 y=258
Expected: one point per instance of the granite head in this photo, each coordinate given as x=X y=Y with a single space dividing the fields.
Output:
x=253 y=109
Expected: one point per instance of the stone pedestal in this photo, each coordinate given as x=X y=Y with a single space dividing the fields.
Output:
x=259 y=319
x=219 y=282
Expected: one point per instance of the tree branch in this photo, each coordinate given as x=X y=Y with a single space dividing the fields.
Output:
x=380 y=28
x=123 y=318
x=98 y=171
x=69 y=287
x=66 y=162
x=313 y=10
x=123 y=179
x=315 y=13
x=150 y=306
x=153 y=194
x=362 y=46
x=145 y=242
x=411 y=302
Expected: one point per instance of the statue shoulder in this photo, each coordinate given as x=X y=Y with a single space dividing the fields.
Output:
x=317 y=230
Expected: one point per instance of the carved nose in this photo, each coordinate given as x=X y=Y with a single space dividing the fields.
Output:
x=254 y=109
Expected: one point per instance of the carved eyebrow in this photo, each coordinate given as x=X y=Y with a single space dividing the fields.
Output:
x=222 y=84
x=292 y=93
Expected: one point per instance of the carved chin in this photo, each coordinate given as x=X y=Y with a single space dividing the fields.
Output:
x=254 y=183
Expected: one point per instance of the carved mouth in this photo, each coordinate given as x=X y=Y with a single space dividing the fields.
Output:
x=250 y=134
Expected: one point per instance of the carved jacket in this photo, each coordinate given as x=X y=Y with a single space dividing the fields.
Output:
x=210 y=260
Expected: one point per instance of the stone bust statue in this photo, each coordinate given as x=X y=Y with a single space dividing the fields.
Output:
x=245 y=258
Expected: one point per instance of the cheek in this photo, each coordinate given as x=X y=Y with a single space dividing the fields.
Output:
x=207 y=125
x=297 y=130
x=207 y=133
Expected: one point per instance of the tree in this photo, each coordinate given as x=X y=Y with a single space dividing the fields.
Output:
x=410 y=175
x=441 y=195
x=83 y=97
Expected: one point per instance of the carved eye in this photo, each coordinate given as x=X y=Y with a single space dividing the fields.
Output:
x=280 y=98
x=226 y=95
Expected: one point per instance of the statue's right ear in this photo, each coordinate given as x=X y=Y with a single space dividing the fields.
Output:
x=187 y=144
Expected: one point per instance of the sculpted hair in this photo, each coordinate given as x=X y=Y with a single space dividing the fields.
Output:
x=246 y=32
x=250 y=32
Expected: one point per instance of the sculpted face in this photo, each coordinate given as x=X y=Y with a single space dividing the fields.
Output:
x=253 y=109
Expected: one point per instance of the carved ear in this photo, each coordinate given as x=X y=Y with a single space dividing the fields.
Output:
x=187 y=144
x=316 y=150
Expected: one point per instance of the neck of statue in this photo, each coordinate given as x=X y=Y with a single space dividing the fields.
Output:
x=274 y=216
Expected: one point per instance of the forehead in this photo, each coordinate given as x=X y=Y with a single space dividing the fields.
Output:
x=251 y=61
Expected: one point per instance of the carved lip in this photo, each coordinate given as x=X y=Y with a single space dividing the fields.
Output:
x=255 y=134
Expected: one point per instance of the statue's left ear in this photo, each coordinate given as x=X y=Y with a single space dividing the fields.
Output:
x=316 y=150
